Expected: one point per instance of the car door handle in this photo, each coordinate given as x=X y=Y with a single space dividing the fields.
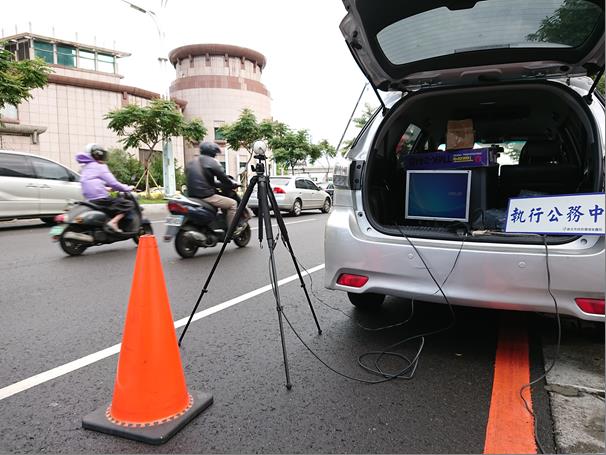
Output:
x=44 y=186
x=31 y=185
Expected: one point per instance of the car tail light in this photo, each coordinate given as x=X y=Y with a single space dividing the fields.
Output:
x=60 y=218
x=353 y=281
x=591 y=306
x=175 y=207
x=279 y=190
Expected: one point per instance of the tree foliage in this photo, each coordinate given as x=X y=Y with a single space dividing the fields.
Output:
x=294 y=148
x=243 y=133
x=19 y=78
x=359 y=122
x=152 y=124
x=568 y=24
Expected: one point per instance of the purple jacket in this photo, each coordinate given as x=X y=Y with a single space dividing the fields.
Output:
x=96 y=177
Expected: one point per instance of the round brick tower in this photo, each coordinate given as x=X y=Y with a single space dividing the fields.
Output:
x=218 y=81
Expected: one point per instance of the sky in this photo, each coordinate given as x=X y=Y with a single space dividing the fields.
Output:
x=313 y=80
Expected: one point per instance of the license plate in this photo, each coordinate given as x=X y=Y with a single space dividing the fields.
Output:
x=174 y=220
x=57 y=230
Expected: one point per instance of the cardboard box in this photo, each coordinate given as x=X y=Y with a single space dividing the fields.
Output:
x=459 y=134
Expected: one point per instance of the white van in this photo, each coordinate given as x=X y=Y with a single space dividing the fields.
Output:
x=35 y=187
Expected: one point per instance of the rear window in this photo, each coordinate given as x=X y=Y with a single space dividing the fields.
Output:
x=491 y=24
x=279 y=181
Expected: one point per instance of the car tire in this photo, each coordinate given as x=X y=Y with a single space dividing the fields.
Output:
x=48 y=220
x=297 y=207
x=367 y=301
x=183 y=246
x=326 y=207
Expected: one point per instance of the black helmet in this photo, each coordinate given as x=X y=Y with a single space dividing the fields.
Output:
x=97 y=152
x=209 y=148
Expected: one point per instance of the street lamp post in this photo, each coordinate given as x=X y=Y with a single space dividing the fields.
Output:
x=168 y=159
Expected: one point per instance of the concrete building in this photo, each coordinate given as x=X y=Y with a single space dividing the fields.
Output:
x=60 y=119
x=217 y=81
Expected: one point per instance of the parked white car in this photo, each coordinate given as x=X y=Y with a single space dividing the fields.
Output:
x=35 y=187
x=460 y=73
x=294 y=194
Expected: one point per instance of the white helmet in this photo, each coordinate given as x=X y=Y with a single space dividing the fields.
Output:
x=96 y=151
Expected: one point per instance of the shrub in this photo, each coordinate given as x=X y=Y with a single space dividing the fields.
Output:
x=125 y=167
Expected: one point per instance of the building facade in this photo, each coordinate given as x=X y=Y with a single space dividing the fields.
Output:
x=61 y=118
x=218 y=81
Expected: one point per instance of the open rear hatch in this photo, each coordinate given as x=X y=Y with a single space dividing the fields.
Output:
x=407 y=44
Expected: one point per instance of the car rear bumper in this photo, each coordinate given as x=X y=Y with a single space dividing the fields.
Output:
x=499 y=276
x=284 y=202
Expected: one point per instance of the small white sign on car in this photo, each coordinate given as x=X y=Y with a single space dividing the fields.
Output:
x=581 y=214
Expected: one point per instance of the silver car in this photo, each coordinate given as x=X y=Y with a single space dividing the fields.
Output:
x=465 y=76
x=35 y=187
x=294 y=194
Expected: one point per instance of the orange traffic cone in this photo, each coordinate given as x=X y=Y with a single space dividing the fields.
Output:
x=151 y=402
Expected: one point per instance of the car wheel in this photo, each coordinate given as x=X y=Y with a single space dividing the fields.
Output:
x=255 y=212
x=71 y=247
x=145 y=229
x=49 y=220
x=185 y=248
x=296 y=208
x=366 y=301
x=326 y=207
x=243 y=239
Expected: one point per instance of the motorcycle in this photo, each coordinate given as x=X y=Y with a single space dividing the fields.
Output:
x=85 y=225
x=195 y=224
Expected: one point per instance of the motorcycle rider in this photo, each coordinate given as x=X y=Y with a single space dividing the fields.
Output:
x=201 y=173
x=95 y=178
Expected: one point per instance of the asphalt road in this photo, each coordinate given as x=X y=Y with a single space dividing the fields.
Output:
x=57 y=309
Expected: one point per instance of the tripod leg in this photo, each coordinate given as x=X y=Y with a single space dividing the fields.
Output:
x=228 y=236
x=262 y=192
x=284 y=234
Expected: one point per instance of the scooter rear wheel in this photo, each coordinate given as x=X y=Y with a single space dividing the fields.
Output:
x=144 y=230
x=185 y=247
x=71 y=247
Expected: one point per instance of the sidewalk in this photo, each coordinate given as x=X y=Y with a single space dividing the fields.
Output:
x=576 y=386
x=154 y=210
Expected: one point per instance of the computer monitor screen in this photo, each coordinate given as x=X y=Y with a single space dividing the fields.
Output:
x=438 y=195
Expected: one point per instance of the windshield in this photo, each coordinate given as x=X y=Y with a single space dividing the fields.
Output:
x=491 y=24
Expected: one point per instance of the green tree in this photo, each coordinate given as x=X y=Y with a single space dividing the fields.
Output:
x=328 y=152
x=124 y=166
x=570 y=24
x=359 y=122
x=19 y=78
x=150 y=125
x=294 y=148
x=243 y=133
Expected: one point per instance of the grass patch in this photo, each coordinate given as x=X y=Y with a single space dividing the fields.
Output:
x=143 y=200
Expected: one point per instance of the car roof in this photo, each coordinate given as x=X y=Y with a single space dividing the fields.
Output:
x=13 y=152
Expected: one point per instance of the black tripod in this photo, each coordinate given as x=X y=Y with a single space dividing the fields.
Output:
x=267 y=202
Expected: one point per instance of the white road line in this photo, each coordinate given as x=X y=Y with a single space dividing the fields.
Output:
x=53 y=373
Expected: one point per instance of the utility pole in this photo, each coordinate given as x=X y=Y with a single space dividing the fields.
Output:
x=168 y=159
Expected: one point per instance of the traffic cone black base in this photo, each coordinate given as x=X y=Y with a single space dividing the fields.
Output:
x=151 y=433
